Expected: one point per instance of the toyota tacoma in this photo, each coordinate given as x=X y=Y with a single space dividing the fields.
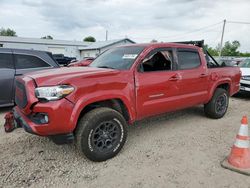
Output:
x=93 y=105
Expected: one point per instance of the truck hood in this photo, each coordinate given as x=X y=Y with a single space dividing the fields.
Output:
x=245 y=71
x=65 y=74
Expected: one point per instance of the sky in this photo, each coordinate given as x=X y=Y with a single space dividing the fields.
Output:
x=139 y=20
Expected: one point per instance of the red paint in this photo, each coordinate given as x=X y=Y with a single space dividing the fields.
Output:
x=59 y=116
x=143 y=94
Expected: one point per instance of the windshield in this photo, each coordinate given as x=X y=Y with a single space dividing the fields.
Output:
x=120 y=58
x=245 y=64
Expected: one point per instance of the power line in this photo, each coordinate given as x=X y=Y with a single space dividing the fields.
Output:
x=183 y=34
x=200 y=32
x=193 y=31
x=236 y=22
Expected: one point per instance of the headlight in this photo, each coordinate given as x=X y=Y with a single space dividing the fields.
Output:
x=53 y=92
x=245 y=77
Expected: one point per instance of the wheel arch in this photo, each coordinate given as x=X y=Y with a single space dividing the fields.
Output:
x=117 y=103
x=224 y=84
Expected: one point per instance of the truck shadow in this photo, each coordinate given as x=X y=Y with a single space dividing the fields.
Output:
x=5 y=109
x=154 y=121
x=242 y=95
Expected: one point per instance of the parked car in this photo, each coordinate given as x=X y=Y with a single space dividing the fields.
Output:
x=227 y=62
x=83 y=63
x=93 y=105
x=63 y=60
x=15 y=62
x=245 y=78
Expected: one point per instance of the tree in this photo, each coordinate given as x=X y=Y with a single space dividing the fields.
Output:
x=211 y=51
x=231 y=48
x=47 y=37
x=89 y=39
x=7 y=32
x=245 y=54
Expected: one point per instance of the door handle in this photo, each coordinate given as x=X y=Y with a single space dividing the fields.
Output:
x=203 y=75
x=174 y=78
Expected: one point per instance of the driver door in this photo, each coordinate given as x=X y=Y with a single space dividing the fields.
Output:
x=156 y=83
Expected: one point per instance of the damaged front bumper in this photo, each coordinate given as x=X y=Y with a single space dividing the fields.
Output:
x=13 y=120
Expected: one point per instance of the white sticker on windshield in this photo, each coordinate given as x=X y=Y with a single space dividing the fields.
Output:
x=129 y=56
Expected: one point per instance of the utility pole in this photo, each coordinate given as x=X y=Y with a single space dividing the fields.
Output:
x=222 y=36
x=106 y=35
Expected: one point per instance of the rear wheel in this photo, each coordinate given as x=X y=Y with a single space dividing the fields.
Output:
x=101 y=134
x=217 y=107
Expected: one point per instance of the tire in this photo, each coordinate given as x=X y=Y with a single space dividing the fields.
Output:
x=217 y=107
x=101 y=134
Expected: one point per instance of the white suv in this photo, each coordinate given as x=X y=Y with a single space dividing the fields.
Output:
x=245 y=78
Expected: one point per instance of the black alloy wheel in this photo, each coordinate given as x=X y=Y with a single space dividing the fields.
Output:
x=106 y=136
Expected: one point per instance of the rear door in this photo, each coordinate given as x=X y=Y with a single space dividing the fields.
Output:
x=27 y=63
x=7 y=74
x=193 y=84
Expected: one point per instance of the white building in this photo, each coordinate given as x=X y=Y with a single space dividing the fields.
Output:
x=96 y=48
x=76 y=49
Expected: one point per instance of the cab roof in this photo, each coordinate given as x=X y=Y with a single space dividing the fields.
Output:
x=164 y=44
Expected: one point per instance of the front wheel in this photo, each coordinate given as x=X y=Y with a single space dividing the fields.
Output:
x=217 y=107
x=101 y=134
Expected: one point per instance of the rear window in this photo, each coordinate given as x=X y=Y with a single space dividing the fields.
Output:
x=6 y=61
x=27 y=61
x=188 y=59
x=120 y=58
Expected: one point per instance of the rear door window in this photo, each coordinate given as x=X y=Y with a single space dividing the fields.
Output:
x=6 y=61
x=188 y=59
x=28 y=61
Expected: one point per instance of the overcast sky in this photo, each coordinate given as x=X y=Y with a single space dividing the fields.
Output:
x=139 y=20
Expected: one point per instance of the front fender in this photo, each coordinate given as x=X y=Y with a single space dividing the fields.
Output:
x=97 y=97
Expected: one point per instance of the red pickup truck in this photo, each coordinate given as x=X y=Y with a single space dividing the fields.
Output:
x=93 y=105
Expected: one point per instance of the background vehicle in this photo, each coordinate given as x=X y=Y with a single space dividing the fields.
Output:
x=227 y=62
x=82 y=63
x=63 y=60
x=15 y=62
x=245 y=78
x=94 y=104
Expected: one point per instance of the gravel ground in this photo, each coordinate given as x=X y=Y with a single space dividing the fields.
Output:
x=181 y=149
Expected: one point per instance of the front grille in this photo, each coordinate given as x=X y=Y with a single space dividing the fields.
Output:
x=20 y=95
x=245 y=85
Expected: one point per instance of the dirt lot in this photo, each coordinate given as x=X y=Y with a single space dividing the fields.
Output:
x=181 y=149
